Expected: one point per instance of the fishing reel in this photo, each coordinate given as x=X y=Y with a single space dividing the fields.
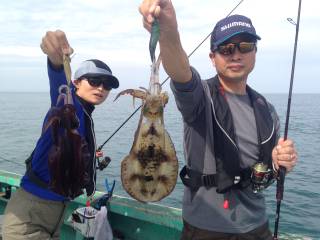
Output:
x=103 y=163
x=261 y=177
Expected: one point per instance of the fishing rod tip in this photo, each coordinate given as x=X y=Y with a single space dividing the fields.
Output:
x=290 y=20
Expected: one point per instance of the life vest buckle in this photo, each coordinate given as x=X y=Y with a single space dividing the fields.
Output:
x=236 y=180
x=208 y=180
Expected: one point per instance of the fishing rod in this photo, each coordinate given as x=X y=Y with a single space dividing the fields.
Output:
x=125 y=121
x=282 y=170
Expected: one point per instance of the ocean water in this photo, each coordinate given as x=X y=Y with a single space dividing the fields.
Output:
x=20 y=126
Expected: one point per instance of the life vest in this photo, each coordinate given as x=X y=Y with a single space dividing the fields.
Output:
x=229 y=173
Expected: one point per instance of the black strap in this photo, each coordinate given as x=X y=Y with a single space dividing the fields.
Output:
x=32 y=176
x=194 y=179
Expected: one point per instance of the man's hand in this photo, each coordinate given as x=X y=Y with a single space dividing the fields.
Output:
x=160 y=9
x=174 y=59
x=150 y=9
x=284 y=154
x=55 y=44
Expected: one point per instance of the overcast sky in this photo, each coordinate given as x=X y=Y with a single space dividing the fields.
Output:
x=112 y=31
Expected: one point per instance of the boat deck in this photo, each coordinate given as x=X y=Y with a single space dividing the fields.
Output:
x=128 y=218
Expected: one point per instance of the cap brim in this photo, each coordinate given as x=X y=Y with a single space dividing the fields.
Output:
x=110 y=78
x=235 y=34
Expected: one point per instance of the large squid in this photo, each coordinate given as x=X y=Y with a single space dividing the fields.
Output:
x=149 y=173
x=69 y=152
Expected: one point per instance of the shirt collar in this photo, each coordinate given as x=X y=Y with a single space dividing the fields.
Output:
x=87 y=106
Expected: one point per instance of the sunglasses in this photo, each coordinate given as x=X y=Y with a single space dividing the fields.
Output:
x=96 y=82
x=230 y=48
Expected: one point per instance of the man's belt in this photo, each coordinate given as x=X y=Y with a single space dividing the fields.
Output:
x=194 y=179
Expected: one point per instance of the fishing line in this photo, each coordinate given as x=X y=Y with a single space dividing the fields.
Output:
x=282 y=170
x=102 y=145
x=7 y=160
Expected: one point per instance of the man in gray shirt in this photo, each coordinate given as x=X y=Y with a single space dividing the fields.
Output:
x=228 y=128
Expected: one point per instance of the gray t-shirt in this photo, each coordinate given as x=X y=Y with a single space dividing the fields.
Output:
x=204 y=208
x=245 y=128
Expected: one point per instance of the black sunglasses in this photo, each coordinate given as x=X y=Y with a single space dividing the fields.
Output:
x=230 y=48
x=97 y=81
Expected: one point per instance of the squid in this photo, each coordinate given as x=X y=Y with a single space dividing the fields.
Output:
x=149 y=173
x=69 y=153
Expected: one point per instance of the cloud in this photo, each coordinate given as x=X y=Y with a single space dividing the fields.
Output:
x=21 y=51
x=112 y=31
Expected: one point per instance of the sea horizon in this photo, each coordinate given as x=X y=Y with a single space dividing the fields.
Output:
x=22 y=116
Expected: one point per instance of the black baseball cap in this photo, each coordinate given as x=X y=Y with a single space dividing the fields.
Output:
x=229 y=27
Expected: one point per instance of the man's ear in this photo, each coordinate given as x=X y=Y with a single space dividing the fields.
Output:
x=212 y=57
